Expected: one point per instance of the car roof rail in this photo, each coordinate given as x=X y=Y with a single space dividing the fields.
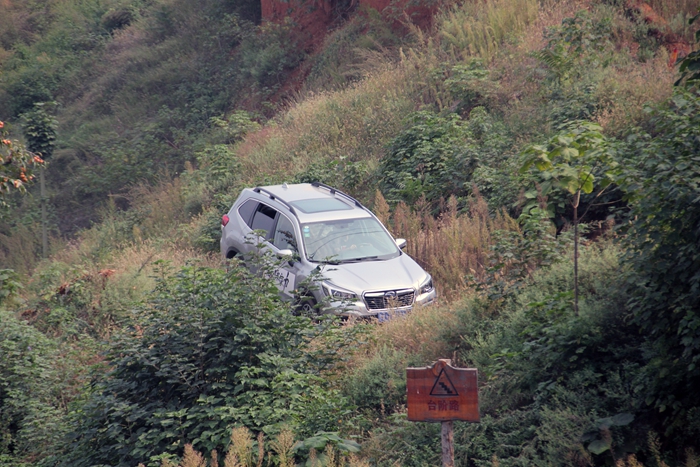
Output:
x=273 y=197
x=334 y=192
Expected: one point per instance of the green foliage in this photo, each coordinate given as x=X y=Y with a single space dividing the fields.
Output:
x=548 y=376
x=9 y=285
x=690 y=64
x=470 y=85
x=569 y=159
x=352 y=177
x=571 y=162
x=365 y=37
x=515 y=256
x=578 y=44
x=210 y=351
x=319 y=442
x=265 y=57
x=599 y=442
x=16 y=167
x=575 y=60
x=428 y=159
x=193 y=60
x=661 y=177
x=31 y=422
x=437 y=155
x=559 y=375
x=40 y=129
x=380 y=384
x=78 y=304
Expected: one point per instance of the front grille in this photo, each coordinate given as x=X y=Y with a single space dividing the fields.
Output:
x=389 y=299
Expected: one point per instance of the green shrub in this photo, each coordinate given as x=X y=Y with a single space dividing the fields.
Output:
x=31 y=421
x=380 y=384
x=436 y=156
x=211 y=350
x=550 y=380
x=660 y=178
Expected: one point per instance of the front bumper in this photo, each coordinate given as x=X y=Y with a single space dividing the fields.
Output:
x=358 y=308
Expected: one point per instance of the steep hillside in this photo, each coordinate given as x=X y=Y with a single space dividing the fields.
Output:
x=131 y=340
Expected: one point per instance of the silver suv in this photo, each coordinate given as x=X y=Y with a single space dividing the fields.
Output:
x=314 y=225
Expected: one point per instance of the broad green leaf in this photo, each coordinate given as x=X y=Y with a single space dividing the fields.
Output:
x=587 y=186
x=599 y=446
x=569 y=153
x=622 y=419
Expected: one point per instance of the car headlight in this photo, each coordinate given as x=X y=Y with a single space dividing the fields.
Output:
x=337 y=293
x=426 y=286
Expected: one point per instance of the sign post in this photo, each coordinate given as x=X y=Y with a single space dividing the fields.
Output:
x=442 y=393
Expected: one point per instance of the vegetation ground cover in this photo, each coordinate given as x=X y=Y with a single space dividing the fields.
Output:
x=167 y=108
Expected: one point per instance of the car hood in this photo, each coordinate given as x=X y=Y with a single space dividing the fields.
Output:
x=397 y=273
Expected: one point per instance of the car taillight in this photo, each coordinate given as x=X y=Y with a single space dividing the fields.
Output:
x=224 y=220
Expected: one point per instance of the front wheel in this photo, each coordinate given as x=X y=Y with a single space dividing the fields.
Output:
x=306 y=306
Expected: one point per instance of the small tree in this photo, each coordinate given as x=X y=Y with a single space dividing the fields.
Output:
x=16 y=166
x=568 y=162
x=40 y=131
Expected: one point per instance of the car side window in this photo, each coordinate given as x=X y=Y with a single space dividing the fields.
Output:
x=284 y=237
x=264 y=219
x=246 y=211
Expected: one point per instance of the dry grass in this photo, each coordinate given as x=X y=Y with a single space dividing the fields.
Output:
x=414 y=333
x=354 y=123
x=282 y=447
x=240 y=453
x=450 y=247
x=20 y=250
x=477 y=29
x=625 y=92
x=357 y=122
x=161 y=207
x=676 y=14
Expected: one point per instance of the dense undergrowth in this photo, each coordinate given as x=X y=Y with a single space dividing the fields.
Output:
x=130 y=344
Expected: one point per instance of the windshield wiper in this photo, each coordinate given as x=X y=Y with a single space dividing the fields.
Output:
x=324 y=260
x=357 y=260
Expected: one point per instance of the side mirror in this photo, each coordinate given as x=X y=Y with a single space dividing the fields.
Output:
x=285 y=254
x=401 y=243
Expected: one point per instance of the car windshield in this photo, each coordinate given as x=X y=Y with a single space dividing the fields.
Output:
x=347 y=240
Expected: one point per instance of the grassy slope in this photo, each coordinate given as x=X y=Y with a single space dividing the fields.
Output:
x=356 y=123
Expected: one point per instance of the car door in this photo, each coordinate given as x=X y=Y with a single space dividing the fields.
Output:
x=278 y=234
x=284 y=237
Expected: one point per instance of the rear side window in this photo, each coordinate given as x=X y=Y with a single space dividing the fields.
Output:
x=264 y=219
x=246 y=211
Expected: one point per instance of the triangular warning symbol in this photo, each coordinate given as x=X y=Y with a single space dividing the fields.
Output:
x=443 y=386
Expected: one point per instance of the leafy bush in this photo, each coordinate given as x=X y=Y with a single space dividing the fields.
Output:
x=661 y=178
x=437 y=155
x=9 y=286
x=18 y=166
x=557 y=388
x=31 y=422
x=211 y=350
x=380 y=384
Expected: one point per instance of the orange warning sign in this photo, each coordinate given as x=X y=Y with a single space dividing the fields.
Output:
x=442 y=392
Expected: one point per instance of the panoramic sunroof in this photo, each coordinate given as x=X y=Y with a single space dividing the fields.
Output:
x=310 y=206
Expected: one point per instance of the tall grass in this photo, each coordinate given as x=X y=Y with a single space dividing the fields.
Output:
x=244 y=451
x=357 y=122
x=450 y=247
x=477 y=29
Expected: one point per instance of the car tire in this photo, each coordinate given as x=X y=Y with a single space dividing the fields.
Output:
x=306 y=306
